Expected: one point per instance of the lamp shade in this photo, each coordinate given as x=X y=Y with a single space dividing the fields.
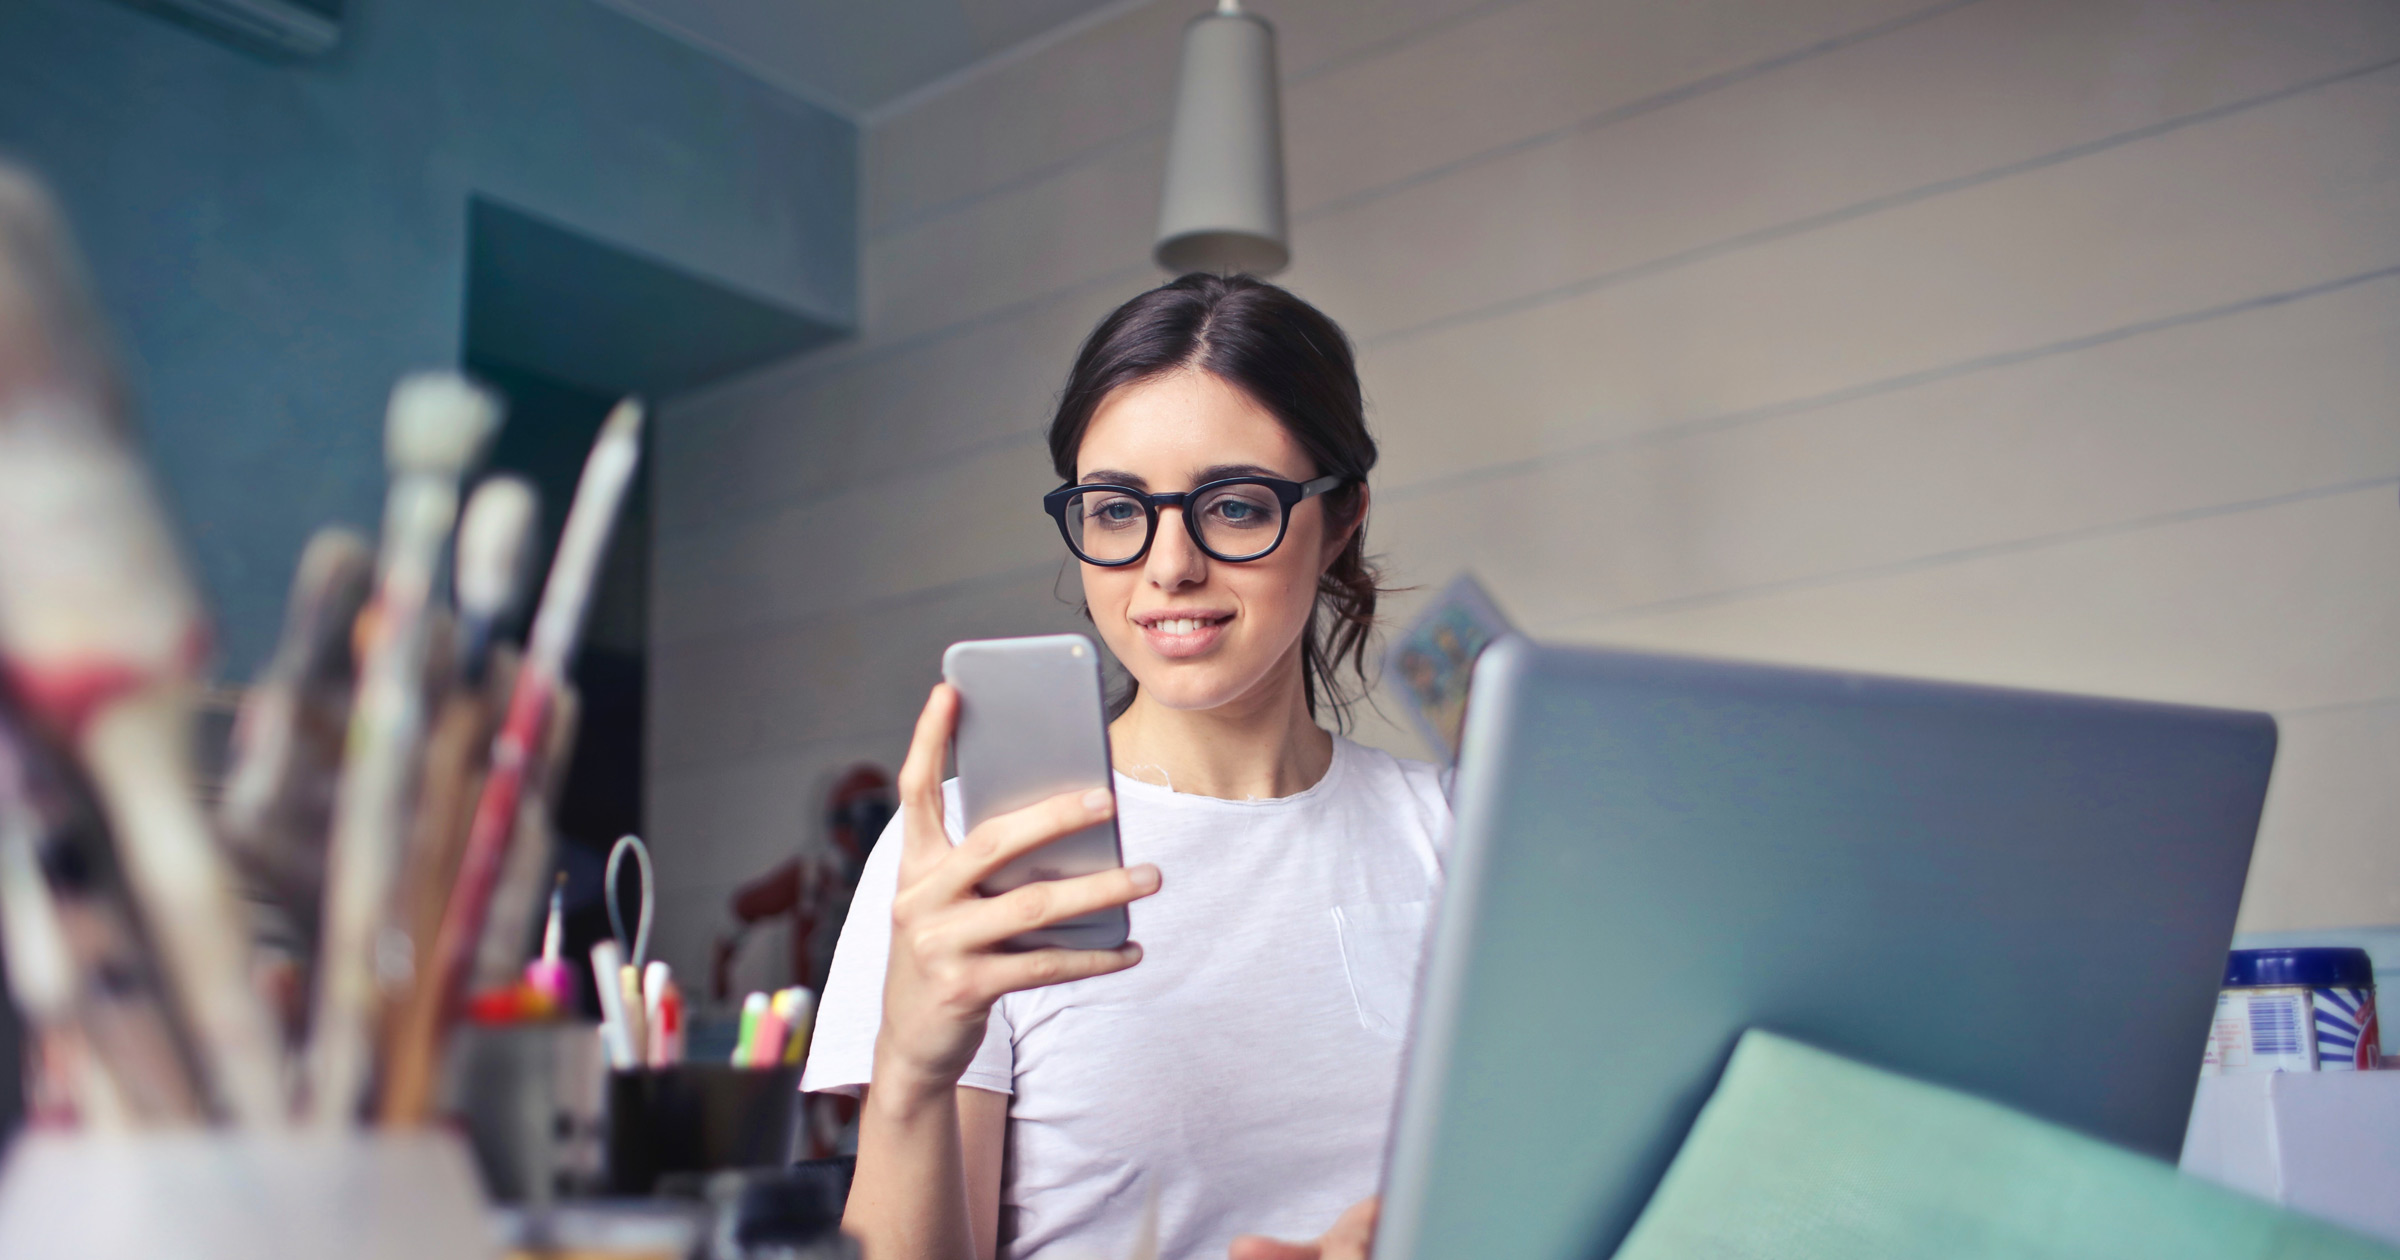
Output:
x=1222 y=209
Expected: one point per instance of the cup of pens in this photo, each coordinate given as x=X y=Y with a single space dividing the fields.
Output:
x=695 y=1117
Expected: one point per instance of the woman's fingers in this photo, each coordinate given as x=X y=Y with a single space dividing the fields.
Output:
x=1354 y=1234
x=923 y=841
x=1043 y=902
x=1034 y=969
x=1005 y=837
x=1261 y=1247
x=1351 y=1238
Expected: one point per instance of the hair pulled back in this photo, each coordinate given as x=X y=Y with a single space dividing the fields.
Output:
x=1293 y=361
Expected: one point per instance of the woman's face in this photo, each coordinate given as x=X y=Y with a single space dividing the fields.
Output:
x=1197 y=632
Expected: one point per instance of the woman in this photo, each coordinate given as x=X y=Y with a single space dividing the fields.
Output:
x=1241 y=1076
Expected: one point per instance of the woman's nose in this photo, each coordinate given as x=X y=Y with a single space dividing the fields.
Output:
x=1174 y=561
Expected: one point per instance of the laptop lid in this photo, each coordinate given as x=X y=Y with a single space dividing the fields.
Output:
x=2027 y=896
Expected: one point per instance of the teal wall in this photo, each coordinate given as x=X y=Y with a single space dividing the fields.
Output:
x=275 y=241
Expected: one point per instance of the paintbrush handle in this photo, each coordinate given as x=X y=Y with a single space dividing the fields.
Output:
x=135 y=754
x=372 y=806
x=488 y=836
x=415 y=1058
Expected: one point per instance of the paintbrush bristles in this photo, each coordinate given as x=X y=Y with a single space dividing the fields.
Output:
x=584 y=541
x=493 y=535
x=437 y=423
x=50 y=331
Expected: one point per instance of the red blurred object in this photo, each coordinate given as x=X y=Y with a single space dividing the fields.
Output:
x=519 y=1003
x=812 y=890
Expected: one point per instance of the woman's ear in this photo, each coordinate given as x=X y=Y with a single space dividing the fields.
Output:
x=1339 y=538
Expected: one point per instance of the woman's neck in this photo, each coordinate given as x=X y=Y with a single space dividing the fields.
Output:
x=1259 y=746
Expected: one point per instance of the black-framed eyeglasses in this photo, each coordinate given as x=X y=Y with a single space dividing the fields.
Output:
x=1236 y=519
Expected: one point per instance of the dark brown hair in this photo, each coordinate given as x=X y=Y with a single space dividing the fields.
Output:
x=1293 y=361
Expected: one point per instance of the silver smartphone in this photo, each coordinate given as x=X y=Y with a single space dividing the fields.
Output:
x=1032 y=723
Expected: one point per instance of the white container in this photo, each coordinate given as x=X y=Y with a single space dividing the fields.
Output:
x=216 y=1195
x=2324 y=1143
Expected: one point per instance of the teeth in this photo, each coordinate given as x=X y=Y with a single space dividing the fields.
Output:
x=1178 y=625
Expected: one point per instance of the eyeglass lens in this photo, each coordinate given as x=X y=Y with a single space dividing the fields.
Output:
x=1236 y=522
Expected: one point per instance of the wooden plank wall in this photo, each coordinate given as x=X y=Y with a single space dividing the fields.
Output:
x=2036 y=342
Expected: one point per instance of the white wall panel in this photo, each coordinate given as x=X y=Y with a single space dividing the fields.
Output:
x=2291 y=194
x=1972 y=91
x=776 y=440
x=2289 y=606
x=958 y=522
x=1092 y=221
x=2326 y=856
x=1030 y=116
x=1531 y=68
x=743 y=696
x=2276 y=401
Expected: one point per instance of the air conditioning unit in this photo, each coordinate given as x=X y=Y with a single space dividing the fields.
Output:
x=280 y=28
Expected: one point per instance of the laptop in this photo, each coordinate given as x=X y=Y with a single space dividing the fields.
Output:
x=2022 y=895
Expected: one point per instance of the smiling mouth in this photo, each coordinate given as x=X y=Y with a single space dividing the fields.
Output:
x=1184 y=625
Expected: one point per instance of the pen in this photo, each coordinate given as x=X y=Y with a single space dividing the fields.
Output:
x=547 y=974
x=615 y=1034
x=754 y=1009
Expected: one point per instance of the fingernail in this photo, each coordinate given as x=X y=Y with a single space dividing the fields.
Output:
x=1133 y=950
x=1097 y=800
x=1145 y=878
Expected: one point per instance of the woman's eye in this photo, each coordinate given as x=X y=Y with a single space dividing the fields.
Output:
x=1232 y=511
x=1115 y=512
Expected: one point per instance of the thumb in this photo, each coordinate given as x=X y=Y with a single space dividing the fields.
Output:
x=924 y=842
x=1258 y=1247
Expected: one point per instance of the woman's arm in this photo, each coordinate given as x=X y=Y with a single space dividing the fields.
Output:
x=908 y=1146
x=927 y=1185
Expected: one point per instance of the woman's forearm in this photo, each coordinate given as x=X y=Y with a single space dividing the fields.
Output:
x=908 y=1197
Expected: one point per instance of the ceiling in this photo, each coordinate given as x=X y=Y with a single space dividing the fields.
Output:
x=855 y=55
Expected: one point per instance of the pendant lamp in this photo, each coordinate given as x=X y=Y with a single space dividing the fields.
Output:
x=1222 y=210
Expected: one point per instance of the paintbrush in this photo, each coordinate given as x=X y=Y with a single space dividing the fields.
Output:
x=495 y=541
x=437 y=424
x=100 y=1014
x=453 y=778
x=495 y=535
x=557 y=623
x=64 y=1080
x=103 y=638
x=287 y=738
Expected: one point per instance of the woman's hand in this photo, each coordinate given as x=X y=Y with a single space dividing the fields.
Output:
x=1350 y=1239
x=946 y=967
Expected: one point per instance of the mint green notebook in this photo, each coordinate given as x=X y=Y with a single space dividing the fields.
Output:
x=1804 y=1155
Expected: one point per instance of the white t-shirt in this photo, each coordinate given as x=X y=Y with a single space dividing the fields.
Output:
x=1245 y=1070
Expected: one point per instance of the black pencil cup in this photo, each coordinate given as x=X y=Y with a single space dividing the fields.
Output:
x=697 y=1118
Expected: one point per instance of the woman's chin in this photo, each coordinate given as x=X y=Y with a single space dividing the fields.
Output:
x=1189 y=687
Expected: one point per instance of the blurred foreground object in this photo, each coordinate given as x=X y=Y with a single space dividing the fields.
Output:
x=276 y=28
x=243 y=1196
x=2324 y=1143
x=102 y=638
x=1222 y=208
x=438 y=424
x=1801 y=1154
x=288 y=740
x=102 y=1046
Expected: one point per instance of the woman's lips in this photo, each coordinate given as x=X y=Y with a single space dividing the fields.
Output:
x=1184 y=636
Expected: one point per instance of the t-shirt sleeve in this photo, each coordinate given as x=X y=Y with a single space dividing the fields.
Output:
x=841 y=1052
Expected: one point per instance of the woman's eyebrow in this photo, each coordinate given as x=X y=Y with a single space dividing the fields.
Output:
x=1221 y=471
x=1113 y=477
